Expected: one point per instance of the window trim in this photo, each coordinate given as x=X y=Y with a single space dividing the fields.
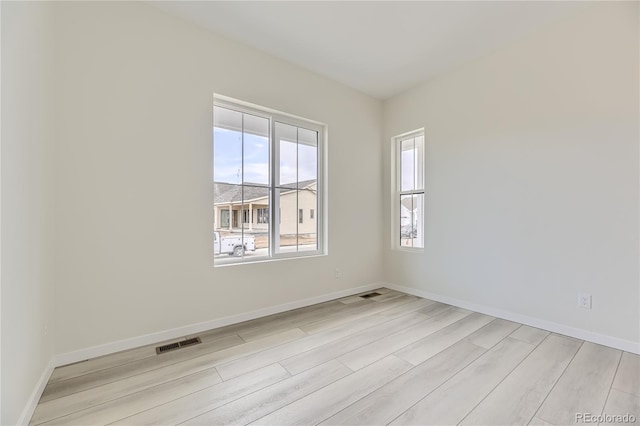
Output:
x=397 y=193
x=321 y=191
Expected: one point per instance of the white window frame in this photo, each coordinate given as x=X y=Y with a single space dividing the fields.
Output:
x=274 y=220
x=397 y=193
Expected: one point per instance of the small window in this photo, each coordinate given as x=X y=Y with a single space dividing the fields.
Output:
x=267 y=170
x=311 y=213
x=408 y=200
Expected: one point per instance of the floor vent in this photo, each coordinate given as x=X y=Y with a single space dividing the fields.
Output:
x=177 y=345
x=368 y=295
x=189 y=342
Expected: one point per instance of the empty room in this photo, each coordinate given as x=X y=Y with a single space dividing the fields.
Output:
x=319 y=212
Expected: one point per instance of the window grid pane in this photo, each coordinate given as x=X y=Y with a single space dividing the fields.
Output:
x=407 y=164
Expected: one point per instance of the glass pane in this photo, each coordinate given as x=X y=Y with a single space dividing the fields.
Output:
x=228 y=216
x=256 y=150
x=241 y=228
x=419 y=163
x=418 y=220
x=241 y=154
x=227 y=146
x=406 y=221
x=287 y=139
x=255 y=221
x=411 y=220
x=287 y=238
x=407 y=160
x=307 y=189
x=297 y=188
x=307 y=157
x=308 y=229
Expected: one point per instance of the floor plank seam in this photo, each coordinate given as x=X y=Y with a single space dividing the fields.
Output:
x=181 y=397
x=377 y=340
x=555 y=383
x=136 y=374
x=507 y=375
x=127 y=396
x=484 y=351
x=346 y=366
x=317 y=390
x=354 y=402
x=453 y=343
x=613 y=379
x=358 y=347
x=208 y=343
x=364 y=396
x=152 y=355
x=314 y=323
x=233 y=400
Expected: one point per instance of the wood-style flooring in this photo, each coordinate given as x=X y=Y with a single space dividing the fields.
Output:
x=390 y=359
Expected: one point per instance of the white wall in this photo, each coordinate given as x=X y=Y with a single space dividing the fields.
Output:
x=27 y=202
x=134 y=183
x=532 y=176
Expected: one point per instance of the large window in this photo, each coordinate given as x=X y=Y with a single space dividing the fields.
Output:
x=408 y=200
x=267 y=169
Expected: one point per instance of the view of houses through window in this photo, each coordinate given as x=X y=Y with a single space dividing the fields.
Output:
x=265 y=178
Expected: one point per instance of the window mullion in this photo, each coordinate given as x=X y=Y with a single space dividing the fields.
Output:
x=297 y=190
x=241 y=212
x=274 y=216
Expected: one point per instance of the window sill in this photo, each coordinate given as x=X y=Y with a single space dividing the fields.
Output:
x=230 y=262
x=408 y=250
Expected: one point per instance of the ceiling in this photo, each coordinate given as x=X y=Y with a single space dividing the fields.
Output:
x=380 y=48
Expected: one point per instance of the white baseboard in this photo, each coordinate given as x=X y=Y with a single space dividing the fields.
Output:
x=34 y=398
x=578 y=333
x=174 y=333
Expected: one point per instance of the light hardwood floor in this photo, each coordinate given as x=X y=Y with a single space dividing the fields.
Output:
x=391 y=359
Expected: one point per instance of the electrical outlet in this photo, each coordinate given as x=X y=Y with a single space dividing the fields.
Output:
x=584 y=300
x=338 y=273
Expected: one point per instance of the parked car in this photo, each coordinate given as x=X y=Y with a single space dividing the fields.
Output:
x=233 y=245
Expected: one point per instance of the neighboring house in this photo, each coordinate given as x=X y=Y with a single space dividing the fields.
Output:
x=297 y=214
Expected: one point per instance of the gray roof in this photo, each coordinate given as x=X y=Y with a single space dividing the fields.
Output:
x=225 y=193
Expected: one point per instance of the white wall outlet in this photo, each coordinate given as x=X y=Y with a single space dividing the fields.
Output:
x=338 y=273
x=584 y=300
